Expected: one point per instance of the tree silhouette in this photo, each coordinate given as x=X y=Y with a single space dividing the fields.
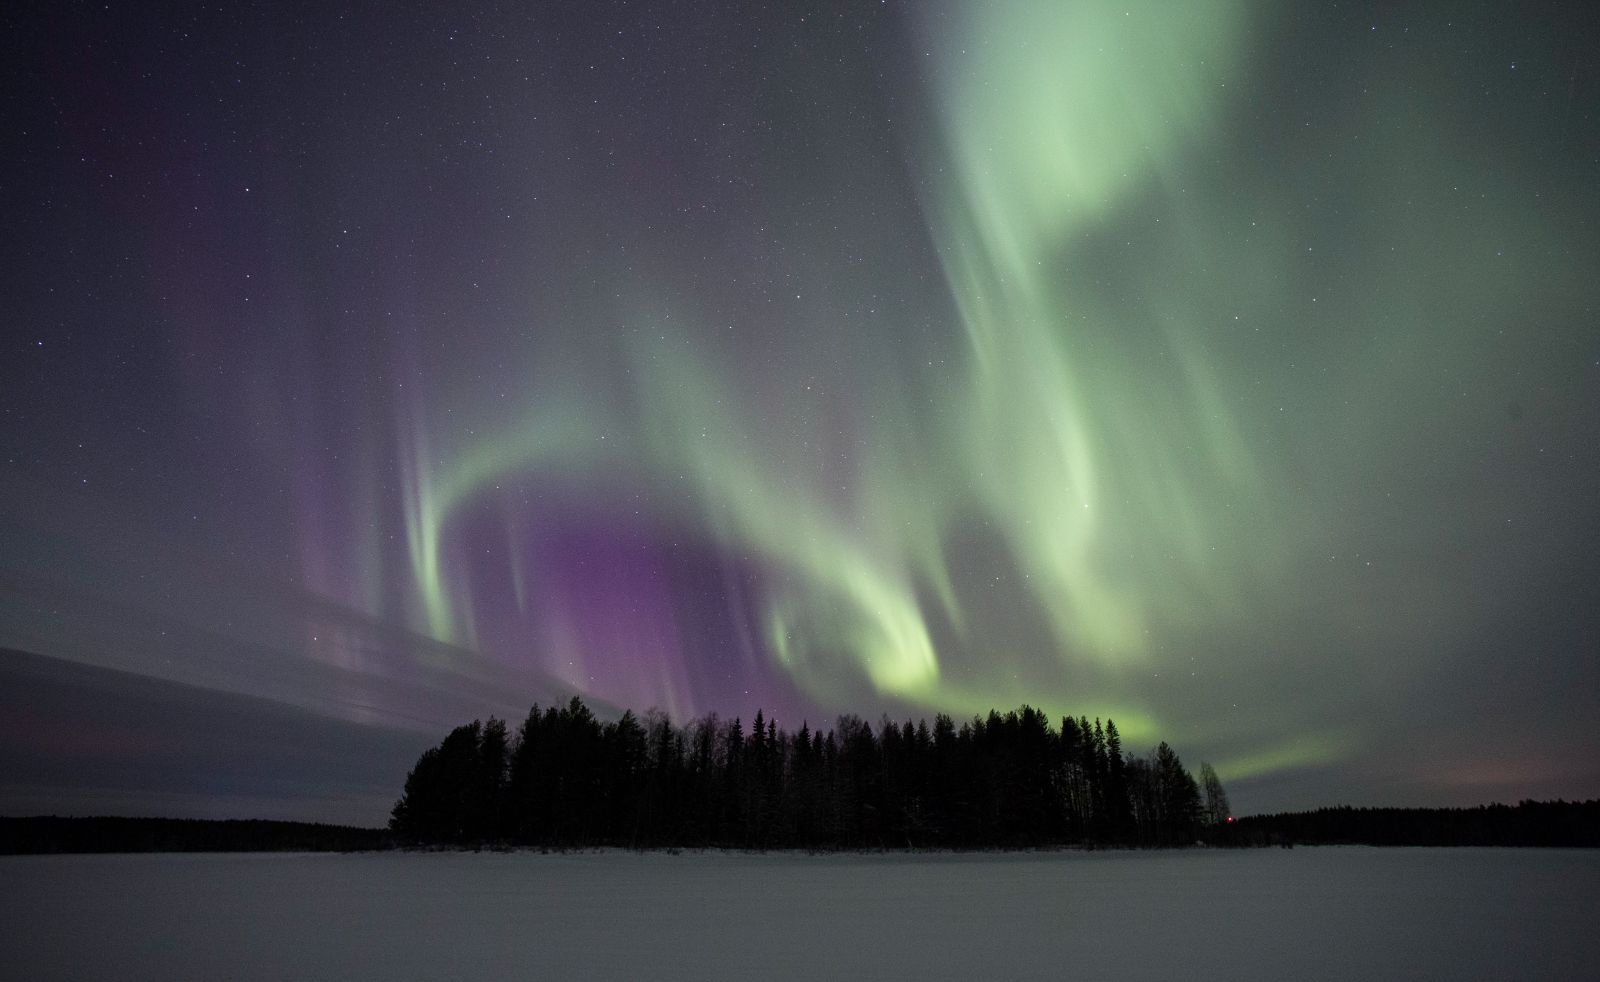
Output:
x=1178 y=799
x=1217 y=809
x=489 y=793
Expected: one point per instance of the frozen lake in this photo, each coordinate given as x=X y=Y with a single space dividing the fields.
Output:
x=1328 y=913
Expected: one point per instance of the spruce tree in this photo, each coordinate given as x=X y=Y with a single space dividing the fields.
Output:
x=1217 y=809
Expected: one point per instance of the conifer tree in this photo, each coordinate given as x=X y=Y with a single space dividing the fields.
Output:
x=489 y=800
x=1119 y=817
x=1217 y=809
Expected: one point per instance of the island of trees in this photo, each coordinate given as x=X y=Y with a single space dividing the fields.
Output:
x=564 y=779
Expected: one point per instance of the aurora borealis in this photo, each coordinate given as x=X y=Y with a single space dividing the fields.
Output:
x=1229 y=368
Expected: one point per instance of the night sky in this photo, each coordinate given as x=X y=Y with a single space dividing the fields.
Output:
x=1231 y=369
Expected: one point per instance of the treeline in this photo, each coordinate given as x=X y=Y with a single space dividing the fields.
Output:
x=51 y=834
x=564 y=779
x=1570 y=824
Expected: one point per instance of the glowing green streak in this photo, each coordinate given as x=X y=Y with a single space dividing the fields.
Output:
x=422 y=519
x=856 y=599
x=1054 y=113
x=561 y=432
x=1299 y=752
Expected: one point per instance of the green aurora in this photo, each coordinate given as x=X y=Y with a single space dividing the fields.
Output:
x=1098 y=426
x=1225 y=368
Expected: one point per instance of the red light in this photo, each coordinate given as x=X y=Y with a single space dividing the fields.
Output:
x=1230 y=818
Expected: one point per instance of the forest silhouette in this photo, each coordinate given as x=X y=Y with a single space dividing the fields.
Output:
x=564 y=779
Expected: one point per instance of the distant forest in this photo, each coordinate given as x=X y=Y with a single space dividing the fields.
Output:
x=50 y=834
x=564 y=779
x=1569 y=824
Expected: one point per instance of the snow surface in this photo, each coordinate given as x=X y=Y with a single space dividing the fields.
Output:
x=1325 y=913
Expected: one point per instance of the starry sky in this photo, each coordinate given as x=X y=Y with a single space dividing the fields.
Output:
x=1228 y=368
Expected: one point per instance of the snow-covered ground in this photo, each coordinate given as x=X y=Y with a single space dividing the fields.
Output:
x=1329 y=913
